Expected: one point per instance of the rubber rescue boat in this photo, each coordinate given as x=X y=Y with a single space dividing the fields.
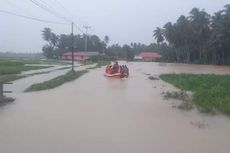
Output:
x=117 y=71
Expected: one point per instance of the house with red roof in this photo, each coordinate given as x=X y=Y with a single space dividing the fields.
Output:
x=148 y=56
x=78 y=56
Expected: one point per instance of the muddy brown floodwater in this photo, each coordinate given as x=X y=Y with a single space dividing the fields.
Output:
x=95 y=114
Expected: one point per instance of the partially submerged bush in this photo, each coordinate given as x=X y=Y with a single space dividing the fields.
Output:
x=4 y=99
x=182 y=96
x=153 y=78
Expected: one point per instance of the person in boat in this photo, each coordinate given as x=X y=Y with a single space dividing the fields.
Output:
x=126 y=69
x=115 y=67
x=122 y=71
x=108 y=69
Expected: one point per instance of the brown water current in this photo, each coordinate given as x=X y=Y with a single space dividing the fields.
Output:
x=95 y=114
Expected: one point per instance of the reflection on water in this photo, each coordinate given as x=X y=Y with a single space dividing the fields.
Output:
x=95 y=114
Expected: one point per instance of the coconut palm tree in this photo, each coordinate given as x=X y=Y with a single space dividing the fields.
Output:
x=158 y=35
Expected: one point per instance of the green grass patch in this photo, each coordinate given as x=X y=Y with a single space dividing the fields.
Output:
x=210 y=92
x=5 y=62
x=14 y=67
x=71 y=75
x=9 y=70
x=18 y=69
x=12 y=77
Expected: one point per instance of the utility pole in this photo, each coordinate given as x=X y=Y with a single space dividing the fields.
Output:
x=86 y=28
x=72 y=48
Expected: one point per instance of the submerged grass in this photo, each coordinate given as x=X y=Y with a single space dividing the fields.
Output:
x=210 y=92
x=182 y=96
x=153 y=78
x=71 y=75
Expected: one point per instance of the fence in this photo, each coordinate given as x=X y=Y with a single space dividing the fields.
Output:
x=2 y=88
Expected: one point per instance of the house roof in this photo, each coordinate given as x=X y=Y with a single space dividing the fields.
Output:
x=80 y=53
x=149 y=55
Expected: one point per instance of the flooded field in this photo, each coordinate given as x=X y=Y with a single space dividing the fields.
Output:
x=95 y=114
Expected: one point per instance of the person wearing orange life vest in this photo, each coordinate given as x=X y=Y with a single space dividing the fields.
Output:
x=108 y=69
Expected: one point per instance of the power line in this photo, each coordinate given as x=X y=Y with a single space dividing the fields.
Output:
x=71 y=14
x=30 y=18
x=77 y=27
x=67 y=10
x=47 y=9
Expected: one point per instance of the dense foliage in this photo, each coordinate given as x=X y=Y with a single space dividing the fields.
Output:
x=198 y=38
x=57 y=44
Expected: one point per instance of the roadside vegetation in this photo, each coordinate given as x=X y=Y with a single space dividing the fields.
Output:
x=197 y=38
x=70 y=76
x=211 y=92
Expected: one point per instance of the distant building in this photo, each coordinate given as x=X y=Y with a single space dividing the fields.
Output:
x=78 y=56
x=149 y=56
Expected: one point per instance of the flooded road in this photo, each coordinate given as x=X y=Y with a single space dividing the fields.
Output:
x=21 y=85
x=95 y=114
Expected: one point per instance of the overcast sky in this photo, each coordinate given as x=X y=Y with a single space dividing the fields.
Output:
x=124 y=21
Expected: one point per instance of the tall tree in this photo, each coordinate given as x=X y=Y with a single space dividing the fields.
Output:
x=158 y=35
x=200 y=21
x=52 y=39
x=46 y=34
x=57 y=44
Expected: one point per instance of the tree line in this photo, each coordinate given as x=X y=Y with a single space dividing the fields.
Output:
x=129 y=51
x=197 y=38
x=58 y=44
